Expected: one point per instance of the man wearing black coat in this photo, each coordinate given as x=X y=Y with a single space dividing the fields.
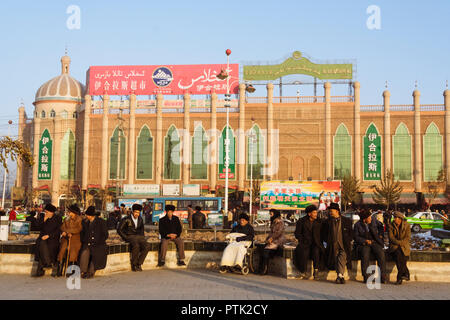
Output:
x=93 y=237
x=170 y=230
x=337 y=233
x=131 y=229
x=47 y=244
x=198 y=219
x=307 y=232
x=368 y=240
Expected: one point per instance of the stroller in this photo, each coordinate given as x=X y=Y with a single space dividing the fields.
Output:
x=247 y=263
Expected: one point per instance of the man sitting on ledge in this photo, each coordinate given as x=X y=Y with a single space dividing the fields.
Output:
x=170 y=230
x=131 y=229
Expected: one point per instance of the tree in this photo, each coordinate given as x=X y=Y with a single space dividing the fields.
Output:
x=16 y=150
x=350 y=189
x=388 y=192
x=438 y=187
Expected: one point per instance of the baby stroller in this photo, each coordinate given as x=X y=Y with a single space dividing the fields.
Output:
x=229 y=265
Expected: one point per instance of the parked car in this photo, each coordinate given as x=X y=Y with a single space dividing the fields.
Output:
x=426 y=220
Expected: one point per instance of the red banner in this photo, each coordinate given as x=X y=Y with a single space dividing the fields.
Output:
x=171 y=79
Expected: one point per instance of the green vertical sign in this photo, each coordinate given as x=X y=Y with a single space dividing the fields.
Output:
x=372 y=154
x=45 y=157
x=232 y=155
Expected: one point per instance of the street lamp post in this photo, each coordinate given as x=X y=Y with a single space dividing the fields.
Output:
x=227 y=140
x=252 y=141
x=4 y=176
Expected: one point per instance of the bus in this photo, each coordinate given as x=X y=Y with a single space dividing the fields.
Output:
x=208 y=205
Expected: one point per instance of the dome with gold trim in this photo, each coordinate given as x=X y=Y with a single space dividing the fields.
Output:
x=62 y=87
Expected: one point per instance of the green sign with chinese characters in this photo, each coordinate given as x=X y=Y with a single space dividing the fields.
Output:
x=298 y=65
x=372 y=154
x=232 y=156
x=45 y=157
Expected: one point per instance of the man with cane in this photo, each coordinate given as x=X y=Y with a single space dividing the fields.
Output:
x=70 y=239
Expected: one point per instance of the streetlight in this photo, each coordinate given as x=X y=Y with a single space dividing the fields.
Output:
x=4 y=175
x=252 y=137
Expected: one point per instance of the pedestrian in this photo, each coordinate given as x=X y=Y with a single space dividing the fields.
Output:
x=47 y=244
x=71 y=230
x=234 y=253
x=337 y=233
x=170 y=230
x=93 y=250
x=274 y=241
x=34 y=225
x=399 y=245
x=369 y=240
x=198 y=219
x=12 y=215
x=307 y=232
x=190 y=214
x=230 y=219
x=131 y=229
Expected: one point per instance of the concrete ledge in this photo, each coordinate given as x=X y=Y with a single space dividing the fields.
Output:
x=17 y=258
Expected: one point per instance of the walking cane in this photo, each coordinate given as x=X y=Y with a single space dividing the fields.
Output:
x=68 y=255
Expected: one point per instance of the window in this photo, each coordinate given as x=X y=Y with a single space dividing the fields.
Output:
x=172 y=154
x=52 y=114
x=144 y=165
x=43 y=114
x=255 y=154
x=402 y=153
x=113 y=154
x=342 y=153
x=432 y=153
x=75 y=115
x=64 y=114
x=199 y=166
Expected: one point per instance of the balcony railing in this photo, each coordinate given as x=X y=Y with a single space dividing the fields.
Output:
x=432 y=107
x=371 y=108
x=401 y=107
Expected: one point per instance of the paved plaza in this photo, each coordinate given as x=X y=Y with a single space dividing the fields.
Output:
x=196 y=284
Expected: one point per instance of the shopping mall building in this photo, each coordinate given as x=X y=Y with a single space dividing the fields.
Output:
x=170 y=123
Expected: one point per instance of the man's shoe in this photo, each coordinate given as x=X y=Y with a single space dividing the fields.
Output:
x=161 y=264
x=316 y=274
x=342 y=280
x=89 y=275
x=302 y=276
x=55 y=268
x=181 y=263
x=383 y=279
x=138 y=267
x=39 y=272
x=133 y=268
x=83 y=275
x=399 y=282
x=406 y=278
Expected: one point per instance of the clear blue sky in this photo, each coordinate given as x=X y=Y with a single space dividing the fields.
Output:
x=413 y=43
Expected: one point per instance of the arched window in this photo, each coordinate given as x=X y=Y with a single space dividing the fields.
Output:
x=314 y=168
x=255 y=153
x=67 y=156
x=75 y=115
x=172 y=154
x=144 y=166
x=199 y=164
x=283 y=173
x=432 y=153
x=298 y=165
x=113 y=154
x=42 y=114
x=231 y=154
x=64 y=114
x=401 y=145
x=342 y=153
x=52 y=114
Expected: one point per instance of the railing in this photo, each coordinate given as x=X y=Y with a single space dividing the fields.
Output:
x=200 y=103
x=401 y=107
x=172 y=110
x=200 y=110
x=145 y=110
x=256 y=100
x=96 y=111
x=299 y=99
x=119 y=103
x=341 y=99
x=233 y=103
x=224 y=110
x=371 y=108
x=117 y=111
x=432 y=107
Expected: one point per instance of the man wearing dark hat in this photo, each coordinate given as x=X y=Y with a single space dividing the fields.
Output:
x=337 y=233
x=93 y=238
x=71 y=229
x=47 y=244
x=307 y=232
x=368 y=240
x=234 y=253
x=131 y=229
x=170 y=230
x=198 y=219
x=399 y=245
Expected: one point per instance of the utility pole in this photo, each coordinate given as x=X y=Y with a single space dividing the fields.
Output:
x=5 y=173
x=120 y=120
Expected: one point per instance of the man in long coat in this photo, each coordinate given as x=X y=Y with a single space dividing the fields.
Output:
x=47 y=244
x=399 y=245
x=71 y=230
x=93 y=238
x=338 y=234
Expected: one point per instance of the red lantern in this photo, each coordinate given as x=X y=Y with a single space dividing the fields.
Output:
x=228 y=52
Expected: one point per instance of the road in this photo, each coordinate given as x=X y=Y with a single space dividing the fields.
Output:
x=194 y=284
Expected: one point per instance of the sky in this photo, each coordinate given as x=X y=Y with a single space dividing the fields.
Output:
x=412 y=43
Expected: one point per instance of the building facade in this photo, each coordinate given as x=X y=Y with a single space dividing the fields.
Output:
x=82 y=141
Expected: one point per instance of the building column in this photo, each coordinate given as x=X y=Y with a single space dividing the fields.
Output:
x=132 y=141
x=270 y=158
x=186 y=138
x=105 y=142
x=87 y=126
x=56 y=165
x=36 y=137
x=159 y=138
x=213 y=150
x=387 y=131
x=22 y=123
x=417 y=144
x=241 y=139
x=328 y=150
x=447 y=132
x=357 y=133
